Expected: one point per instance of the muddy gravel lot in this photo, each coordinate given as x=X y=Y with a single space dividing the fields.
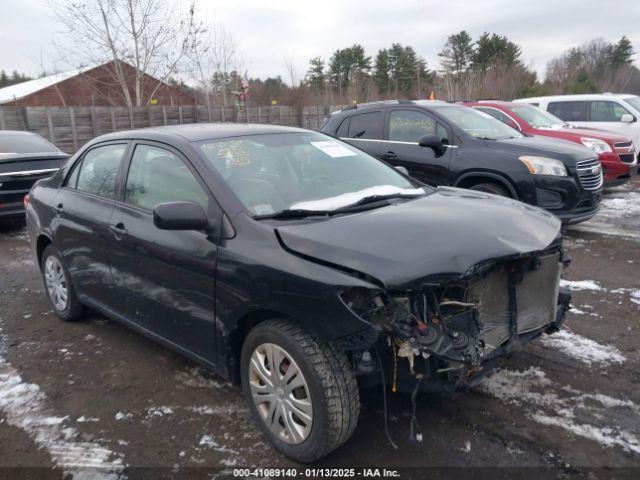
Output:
x=94 y=399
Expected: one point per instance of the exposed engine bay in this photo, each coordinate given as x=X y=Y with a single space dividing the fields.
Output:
x=446 y=333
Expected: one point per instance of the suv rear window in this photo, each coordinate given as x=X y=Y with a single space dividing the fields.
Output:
x=366 y=125
x=569 y=111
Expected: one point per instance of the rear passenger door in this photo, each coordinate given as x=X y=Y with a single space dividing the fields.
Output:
x=574 y=112
x=164 y=280
x=364 y=130
x=82 y=209
x=403 y=130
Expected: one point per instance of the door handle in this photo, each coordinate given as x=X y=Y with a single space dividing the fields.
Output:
x=389 y=156
x=58 y=209
x=118 y=230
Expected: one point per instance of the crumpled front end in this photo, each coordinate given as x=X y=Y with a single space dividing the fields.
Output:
x=447 y=334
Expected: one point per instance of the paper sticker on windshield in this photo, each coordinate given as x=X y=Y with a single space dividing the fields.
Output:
x=263 y=209
x=333 y=149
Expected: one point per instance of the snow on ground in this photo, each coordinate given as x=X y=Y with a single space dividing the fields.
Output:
x=582 y=348
x=634 y=293
x=623 y=203
x=562 y=406
x=576 y=285
x=25 y=406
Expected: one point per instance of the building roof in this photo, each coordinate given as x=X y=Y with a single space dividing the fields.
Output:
x=21 y=90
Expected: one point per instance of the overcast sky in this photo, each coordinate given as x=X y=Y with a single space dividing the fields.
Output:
x=270 y=31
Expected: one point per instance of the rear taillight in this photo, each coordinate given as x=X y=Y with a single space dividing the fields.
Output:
x=25 y=200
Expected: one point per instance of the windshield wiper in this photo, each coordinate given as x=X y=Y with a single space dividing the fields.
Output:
x=373 y=199
x=295 y=213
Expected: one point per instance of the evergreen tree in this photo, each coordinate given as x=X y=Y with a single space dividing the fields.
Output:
x=457 y=53
x=315 y=74
x=622 y=52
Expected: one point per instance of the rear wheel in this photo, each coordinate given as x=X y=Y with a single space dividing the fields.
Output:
x=301 y=390
x=58 y=286
x=491 y=188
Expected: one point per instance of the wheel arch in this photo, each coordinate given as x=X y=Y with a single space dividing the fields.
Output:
x=237 y=336
x=469 y=179
x=42 y=242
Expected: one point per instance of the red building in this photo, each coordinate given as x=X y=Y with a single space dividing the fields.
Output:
x=92 y=86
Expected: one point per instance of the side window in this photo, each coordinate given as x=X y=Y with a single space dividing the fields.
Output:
x=156 y=175
x=366 y=125
x=607 y=111
x=72 y=179
x=569 y=111
x=497 y=114
x=98 y=171
x=411 y=125
x=343 y=129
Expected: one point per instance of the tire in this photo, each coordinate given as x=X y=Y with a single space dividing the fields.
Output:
x=491 y=188
x=330 y=386
x=72 y=309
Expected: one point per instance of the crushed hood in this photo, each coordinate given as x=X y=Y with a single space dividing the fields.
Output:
x=444 y=233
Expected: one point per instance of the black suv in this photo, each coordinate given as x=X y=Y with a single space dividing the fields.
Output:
x=446 y=144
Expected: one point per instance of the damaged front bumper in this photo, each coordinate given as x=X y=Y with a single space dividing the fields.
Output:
x=449 y=333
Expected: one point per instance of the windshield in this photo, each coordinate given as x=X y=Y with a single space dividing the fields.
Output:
x=478 y=124
x=634 y=102
x=301 y=171
x=538 y=118
x=21 y=143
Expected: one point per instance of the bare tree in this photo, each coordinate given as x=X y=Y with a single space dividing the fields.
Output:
x=151 y=35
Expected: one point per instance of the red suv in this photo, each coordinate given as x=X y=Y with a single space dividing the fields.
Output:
x=615 y=152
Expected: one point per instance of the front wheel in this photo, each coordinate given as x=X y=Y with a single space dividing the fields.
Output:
x=301 y=390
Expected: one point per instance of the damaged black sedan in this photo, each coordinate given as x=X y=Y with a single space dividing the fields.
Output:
x=297 y=265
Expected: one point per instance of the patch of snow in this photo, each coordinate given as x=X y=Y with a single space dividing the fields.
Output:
x=159 y=411
x=548 y=403
x=582 y=348
x=634 y=294
x=209 y=441
x=223 y=410
x=25 y=406
x=582 y=285
x=350 y=198
x=123 y=416
x=84 y=419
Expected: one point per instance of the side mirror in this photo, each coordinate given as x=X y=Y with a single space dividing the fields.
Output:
x=627 y=118
x=402 y=170
x=180 y=216
x=431 y=141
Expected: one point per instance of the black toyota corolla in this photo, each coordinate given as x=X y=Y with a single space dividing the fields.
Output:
x=297 y=265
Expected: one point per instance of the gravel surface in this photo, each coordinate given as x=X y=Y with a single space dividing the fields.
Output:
x=93 y=396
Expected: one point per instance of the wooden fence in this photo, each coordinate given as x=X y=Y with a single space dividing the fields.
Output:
x=70 y=127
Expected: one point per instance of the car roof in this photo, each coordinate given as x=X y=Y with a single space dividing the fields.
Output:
x=393 y=103
x=13 y=133
x=580 y=96
x=201 y=131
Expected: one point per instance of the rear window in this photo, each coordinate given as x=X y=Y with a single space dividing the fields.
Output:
x=25 y=144
x=366 y=125
x=569 y=111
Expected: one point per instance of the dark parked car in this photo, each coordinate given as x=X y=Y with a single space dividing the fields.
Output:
x=24 y=158
x=295 y=263
x=445 y=144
